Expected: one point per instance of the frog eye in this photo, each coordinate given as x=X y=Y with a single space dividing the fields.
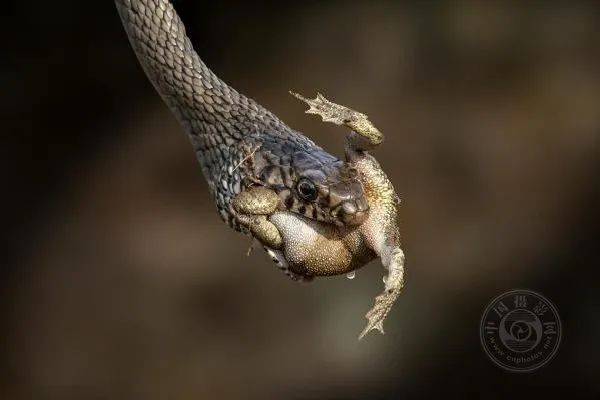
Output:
x=306 y=189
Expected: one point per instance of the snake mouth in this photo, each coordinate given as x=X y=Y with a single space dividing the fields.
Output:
x=350 y=213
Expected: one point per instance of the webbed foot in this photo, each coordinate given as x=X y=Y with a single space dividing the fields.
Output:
x=342 y=115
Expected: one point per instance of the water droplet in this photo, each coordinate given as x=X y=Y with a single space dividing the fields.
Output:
x=351 y=275
x=384 y=280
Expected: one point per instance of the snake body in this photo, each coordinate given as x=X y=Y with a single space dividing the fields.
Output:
x=237 y=141
x=314 y=213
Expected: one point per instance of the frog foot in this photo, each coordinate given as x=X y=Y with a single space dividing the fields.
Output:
x=342 y=115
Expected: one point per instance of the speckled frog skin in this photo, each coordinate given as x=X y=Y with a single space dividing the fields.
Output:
x=314 y=214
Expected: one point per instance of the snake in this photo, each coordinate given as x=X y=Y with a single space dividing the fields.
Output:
x=314 y=214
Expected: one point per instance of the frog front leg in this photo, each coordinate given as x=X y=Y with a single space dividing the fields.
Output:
x=252 y=208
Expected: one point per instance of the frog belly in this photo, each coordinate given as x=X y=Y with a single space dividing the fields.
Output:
x=313 y=248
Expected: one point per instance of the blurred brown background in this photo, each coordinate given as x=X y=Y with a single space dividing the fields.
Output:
x=121 y=282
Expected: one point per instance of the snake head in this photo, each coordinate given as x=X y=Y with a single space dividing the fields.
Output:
x=321 y=187
x=336 y=192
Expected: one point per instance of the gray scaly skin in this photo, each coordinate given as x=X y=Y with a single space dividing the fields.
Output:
x=315 y=214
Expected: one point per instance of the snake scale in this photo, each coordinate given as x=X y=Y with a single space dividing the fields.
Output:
x=314 y=214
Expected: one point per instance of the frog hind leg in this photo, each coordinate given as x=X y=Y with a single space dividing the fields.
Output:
x=394 y=282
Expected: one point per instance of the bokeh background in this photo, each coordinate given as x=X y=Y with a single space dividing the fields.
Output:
x=121 y=282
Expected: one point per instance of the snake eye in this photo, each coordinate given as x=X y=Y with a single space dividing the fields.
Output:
x=307 y=190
